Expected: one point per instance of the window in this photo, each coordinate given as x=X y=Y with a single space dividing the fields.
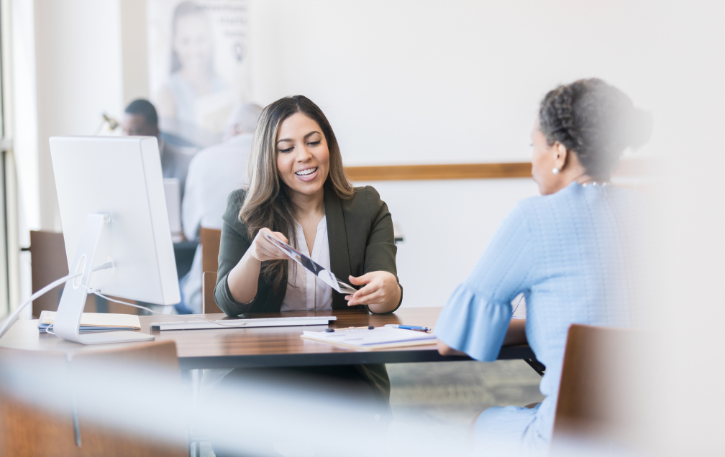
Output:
x=9 y=249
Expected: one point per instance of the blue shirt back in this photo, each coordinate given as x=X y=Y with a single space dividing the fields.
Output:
x=576 y=257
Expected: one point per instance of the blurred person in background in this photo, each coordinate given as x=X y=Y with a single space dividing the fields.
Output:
x=574 y=252
x=140 y=119
x=213 y=174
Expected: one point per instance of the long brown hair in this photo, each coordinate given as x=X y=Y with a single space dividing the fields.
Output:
x=268 y=202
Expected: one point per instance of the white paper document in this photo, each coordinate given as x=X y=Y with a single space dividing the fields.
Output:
x=371 y=339
x=96 y=321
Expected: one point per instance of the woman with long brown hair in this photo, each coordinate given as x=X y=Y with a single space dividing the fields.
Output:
x=299 y=194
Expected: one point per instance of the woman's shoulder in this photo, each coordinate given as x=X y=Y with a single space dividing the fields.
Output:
x=543 y=207
x=576 y=203
x=235 y=200
x=364 y=198
x=365 y=192
x=577 y=194
x=236 y=197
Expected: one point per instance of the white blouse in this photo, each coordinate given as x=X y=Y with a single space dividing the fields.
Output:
x=304 y=291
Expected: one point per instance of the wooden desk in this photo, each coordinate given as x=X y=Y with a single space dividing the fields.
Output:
x=271 y=346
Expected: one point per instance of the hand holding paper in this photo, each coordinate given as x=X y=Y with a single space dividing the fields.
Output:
x=324 y=275
x=263 y=249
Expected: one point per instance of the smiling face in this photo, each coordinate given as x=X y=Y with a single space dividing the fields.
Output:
x=303 y=158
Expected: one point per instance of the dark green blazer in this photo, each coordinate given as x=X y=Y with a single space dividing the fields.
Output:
x=360 y=233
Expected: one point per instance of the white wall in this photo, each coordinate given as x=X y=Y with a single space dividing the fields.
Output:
x=134 y=51
x=446 y=225
x=427 y=81
x=423 y=81
x=75 y=49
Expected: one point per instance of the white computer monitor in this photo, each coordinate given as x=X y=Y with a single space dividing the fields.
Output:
x=113 y=210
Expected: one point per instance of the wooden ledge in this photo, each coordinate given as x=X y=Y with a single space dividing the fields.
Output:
x=630 y=167
x=445 y=171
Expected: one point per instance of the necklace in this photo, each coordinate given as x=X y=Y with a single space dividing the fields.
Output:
x=595 y=183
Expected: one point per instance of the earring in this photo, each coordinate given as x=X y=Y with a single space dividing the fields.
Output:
x=555 y=171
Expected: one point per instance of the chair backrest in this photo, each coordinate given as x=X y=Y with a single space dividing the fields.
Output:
x=210 y=239
x=129 y=401
x=48 y=262
x=36 y=412
x=594 y=386
x=208 y=304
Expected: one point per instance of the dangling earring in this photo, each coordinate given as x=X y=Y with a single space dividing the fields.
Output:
x=555 y=171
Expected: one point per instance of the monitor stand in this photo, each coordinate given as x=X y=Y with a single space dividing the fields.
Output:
x=68 y=318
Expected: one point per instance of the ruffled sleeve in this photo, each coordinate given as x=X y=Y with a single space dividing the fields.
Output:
x=476 y=317
x=473 y=325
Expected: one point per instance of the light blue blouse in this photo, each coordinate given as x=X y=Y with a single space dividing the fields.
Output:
x=574 y=256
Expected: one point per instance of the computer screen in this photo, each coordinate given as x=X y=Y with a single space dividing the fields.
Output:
x=113 y=209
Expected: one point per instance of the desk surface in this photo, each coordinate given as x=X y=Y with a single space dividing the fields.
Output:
x=270 y=346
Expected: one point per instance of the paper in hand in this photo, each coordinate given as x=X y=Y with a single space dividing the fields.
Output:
x=325 y=276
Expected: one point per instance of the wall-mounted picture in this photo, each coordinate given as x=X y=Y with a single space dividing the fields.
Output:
x=198 y=64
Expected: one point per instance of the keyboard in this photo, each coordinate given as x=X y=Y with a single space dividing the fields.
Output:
x=197 y=324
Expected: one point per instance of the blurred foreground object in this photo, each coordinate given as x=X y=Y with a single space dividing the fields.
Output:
x=596 y=407
x=29 y=427
x=98 y=403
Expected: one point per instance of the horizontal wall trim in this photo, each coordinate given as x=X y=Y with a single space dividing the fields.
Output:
x=629 y=167
x=443 y=171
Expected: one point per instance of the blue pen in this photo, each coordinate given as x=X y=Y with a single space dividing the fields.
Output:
x=408 y=327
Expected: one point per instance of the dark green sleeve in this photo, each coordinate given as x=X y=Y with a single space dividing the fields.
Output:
x=380 y=248
x=233 y=246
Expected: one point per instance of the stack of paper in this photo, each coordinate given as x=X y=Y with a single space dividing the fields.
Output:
x=371 y=339
x=95 y=321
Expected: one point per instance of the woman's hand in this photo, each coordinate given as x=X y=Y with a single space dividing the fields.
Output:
x=381 y=292
x=242 y=279
x=262 y=249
